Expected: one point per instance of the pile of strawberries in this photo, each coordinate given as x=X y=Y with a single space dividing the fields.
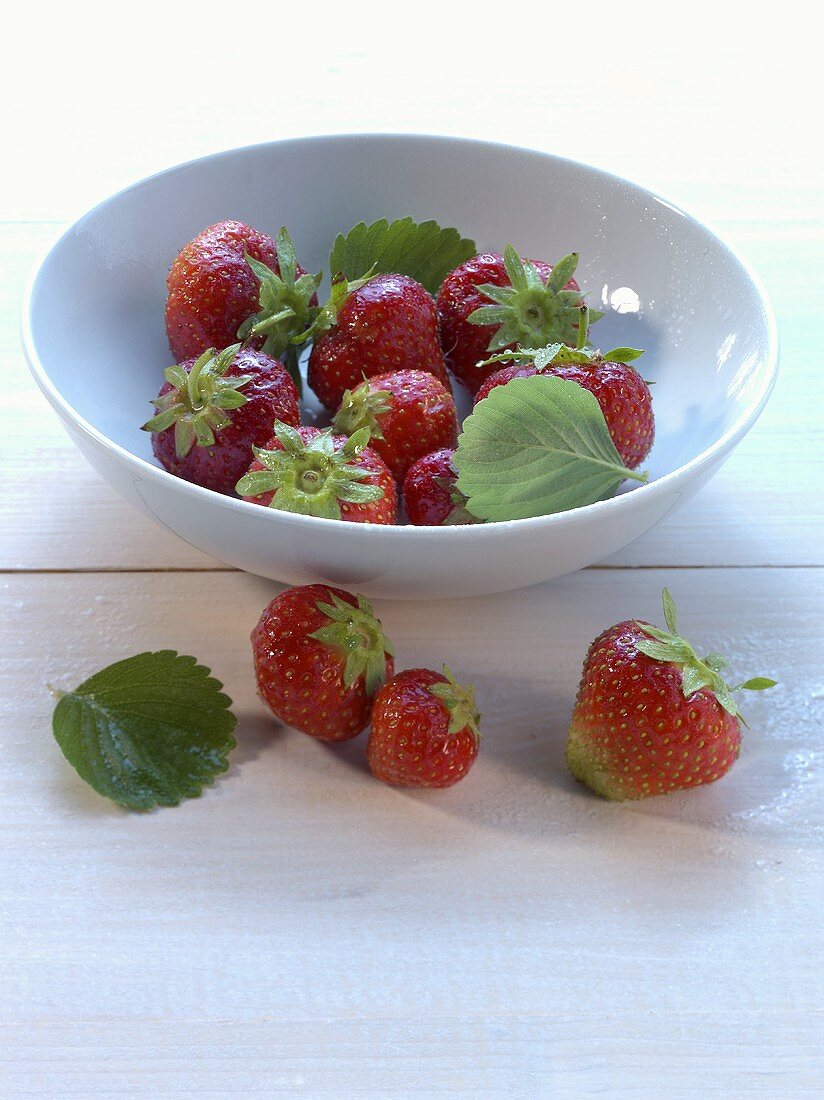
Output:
x=241 y=310
x=650 y=717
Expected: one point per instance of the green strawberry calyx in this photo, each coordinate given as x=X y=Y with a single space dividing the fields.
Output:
x=555 y=353
x=312 y=477
x=199 y=403
x=459 y=700
x=361 y=408
x=358 y=636
x=531 y=312
x=326 y=317
x=285 y=308
x=696 y=673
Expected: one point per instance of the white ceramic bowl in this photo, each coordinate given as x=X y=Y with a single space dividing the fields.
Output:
x=94 y=338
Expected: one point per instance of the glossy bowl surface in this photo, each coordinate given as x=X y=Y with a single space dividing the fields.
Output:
x=94 y=338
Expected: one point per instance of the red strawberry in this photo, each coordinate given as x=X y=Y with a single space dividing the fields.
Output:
x=651 y=717
x=320 y=656
x=424 y=730
x=430 y=494
x=493 y=302
x=320 y=474
x=409 y=413
x=387 y=323
x=211 y=412
x=622 y=393
x=228 y=274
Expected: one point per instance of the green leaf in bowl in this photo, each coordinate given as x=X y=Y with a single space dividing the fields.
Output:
x=534 y=447
x=422 y=250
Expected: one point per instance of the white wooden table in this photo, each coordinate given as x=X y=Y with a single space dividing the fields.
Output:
x=302 y=930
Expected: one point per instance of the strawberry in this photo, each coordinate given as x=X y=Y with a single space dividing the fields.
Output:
x=622 y=393
x=369 y=327
x=409 y=413
x=496 y=301
x=430 y=495
x=320 y=656
x=317 y=473
x=231 y=274
x=651 y=717
x=424 y=730
x=211 y=412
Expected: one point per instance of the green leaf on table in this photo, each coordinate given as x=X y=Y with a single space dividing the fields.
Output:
x=536 y=446
x=422 y=250
x=147 y=731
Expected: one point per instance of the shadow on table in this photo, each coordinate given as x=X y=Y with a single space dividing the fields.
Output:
x=255 y=733
x=521 y=786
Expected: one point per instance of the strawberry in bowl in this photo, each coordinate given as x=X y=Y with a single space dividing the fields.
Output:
x=623 y=395
x=430 y=493
x=409 y=413
x=213 y=410
x=496 y=301
x=318 y=473
x=371 y=326
x=232 y=281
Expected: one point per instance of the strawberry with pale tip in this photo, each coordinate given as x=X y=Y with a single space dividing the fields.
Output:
x=651 y=716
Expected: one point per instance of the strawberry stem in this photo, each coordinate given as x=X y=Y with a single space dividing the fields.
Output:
x=696 y=674
x=193 y=380
x=583 y=328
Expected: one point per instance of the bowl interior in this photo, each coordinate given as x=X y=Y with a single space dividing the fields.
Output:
x=667 y=284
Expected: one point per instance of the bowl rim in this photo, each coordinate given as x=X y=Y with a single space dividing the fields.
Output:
x=647 y=491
